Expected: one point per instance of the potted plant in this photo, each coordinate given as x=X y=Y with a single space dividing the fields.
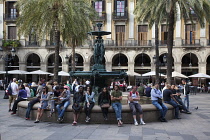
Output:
x=12 y=43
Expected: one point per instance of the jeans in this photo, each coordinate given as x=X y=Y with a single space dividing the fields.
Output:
x=14 y=108
x=175 y=105
x=105 y=112
x=161 y=107
x=28 y=110
x=61 y=112
x=118 y=110
x=183 y=105
x=88 y=109
x=186 y=99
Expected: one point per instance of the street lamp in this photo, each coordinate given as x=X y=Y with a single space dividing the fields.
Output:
x=7 y=60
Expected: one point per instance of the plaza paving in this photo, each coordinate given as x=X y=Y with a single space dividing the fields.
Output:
x=191 y=127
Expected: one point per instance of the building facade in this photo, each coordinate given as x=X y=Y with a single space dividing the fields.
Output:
x=130 y=47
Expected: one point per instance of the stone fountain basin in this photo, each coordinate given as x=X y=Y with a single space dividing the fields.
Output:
x=149 y=111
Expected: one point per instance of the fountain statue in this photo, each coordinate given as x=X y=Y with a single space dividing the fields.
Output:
x=99 y=76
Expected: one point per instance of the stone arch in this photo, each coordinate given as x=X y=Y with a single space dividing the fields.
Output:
x=196 y=54
x=144 y=60
x=189 y=58
x=35 y=60
x=173 y=56
x=121 y=59
x=29 y=53
x=112 y=56
x=80 y=61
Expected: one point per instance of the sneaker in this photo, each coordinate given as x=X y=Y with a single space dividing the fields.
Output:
x=37 y=121
x=10 y=110
x=86 y=120
x=188 y=112
x=59 y=119
x=27 y=118
x=119 y=124
x=74 y=123
x=142 y=123
x=136 y=123
x=13 y=113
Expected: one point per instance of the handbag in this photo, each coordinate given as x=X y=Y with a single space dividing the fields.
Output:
x=106 y=105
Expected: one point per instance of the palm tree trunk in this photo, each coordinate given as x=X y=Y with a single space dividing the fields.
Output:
x=170 y=41
x=73 y=55
x=56 y=64
x=157 y=81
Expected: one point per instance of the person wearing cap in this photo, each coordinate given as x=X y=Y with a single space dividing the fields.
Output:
x=64 y=98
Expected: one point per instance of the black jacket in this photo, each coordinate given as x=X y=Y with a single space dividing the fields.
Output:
x=104 y=98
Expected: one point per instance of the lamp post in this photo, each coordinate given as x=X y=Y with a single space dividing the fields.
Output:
x=6 y=60
x=158 y=64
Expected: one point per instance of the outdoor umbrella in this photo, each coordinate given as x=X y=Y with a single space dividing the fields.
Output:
x=176 y=74
x=17 y=72
x=61 y=73
x=134 y=74
x=199 y=76
x=152 y=73
x=2 y=72
x=39 y=72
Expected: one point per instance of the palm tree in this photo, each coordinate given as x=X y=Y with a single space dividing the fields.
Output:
x=167 y=10
x=70 y=19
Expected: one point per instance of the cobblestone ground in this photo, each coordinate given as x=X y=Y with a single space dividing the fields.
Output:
x=191 y=127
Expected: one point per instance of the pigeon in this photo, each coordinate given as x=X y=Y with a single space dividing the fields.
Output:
x=196 y=108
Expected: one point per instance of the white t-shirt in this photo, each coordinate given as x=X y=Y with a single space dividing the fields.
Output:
x=133 y=95
x=28 y=91
x=14 y=87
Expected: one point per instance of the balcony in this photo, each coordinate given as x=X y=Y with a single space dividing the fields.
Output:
x=100 y=17
x=128 y=43
x=32 y=43
x=10 y=17
x=191 y=42
x=120 y=16
x=164 y=43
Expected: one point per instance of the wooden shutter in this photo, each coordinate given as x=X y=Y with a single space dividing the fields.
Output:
x=12 y=32
x=193 y=37
x=120 y=35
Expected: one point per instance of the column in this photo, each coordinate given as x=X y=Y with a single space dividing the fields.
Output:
x=178 y=39
x=153 y=35
x=1 y=21
x=22 y=66
x=43 y=66
x=203 y=39
x=65 y=67
x=109 y=18
x=202 y=67
x=178 y=67
x=86 y=66
x=109 y=66
x=131 y=20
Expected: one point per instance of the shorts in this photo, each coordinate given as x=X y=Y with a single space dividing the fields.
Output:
x=12 y=98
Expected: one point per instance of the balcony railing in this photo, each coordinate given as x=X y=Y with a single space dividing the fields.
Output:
x=164 y=43
x=191 y=42
x=100 y=17
x=120 y=15
x=50 y=43
x=128 y=43
x=10 y=17
x=32 y=43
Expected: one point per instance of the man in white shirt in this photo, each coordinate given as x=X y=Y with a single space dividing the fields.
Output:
x=15 y=91
x=27 y=90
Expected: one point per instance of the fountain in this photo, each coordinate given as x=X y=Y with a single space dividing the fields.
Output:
x=98 y=74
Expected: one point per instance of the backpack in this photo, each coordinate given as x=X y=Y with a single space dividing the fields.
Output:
x=135 y=92
x=32 y=92
x=9 y=90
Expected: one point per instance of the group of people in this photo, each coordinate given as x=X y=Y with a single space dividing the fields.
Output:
x=170 y=95
x=57 y=97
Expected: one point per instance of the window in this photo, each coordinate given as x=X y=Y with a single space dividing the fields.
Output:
x=99 y=7
x=164 y=34
x=120 y=8
x=12 y=33
x=190 y=34
x=142 y=35
x=32 y=38
x=120 y=35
